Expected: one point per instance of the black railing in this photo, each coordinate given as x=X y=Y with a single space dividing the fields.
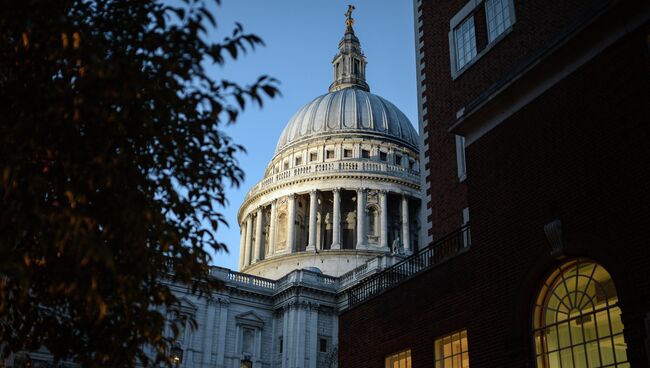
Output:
x=444 y=248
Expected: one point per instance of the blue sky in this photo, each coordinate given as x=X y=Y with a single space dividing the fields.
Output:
x=301 y=39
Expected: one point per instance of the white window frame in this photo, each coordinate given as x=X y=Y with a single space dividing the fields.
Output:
x=464 y=48
x=467 y=235
x=457 y=21
x=492 y=8
x=461 y=164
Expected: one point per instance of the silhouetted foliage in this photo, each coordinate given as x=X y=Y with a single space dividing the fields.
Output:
x=112 y=169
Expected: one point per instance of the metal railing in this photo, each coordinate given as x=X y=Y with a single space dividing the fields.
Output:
x=442 y=249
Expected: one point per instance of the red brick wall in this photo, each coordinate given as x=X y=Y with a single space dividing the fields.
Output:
x=580 y=153
x=539 y=22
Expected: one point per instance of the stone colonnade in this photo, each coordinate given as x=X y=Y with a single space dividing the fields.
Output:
x=254 y=246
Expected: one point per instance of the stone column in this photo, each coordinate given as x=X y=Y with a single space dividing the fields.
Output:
x=291 y=225
x=300 y=329
x=271 y=244
x=208 y=332
x=242 y=243
x=223 y=324
x=313 y=335
x=361 y=218
x=249 y=240
x=406 y=234
x=336 y=219
x=383 y=226
x=313 y=207
x=259 y=225
x=285 y=336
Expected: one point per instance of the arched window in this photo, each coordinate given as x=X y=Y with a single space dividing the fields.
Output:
x=577 y=320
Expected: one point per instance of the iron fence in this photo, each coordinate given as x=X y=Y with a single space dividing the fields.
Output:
x=442 y=249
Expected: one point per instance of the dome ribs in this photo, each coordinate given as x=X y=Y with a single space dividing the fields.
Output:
x=348 y=111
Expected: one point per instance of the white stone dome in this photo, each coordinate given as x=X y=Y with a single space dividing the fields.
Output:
x=349 y=111
x=343 y=186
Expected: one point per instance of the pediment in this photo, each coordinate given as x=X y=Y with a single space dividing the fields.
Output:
x=249 y=318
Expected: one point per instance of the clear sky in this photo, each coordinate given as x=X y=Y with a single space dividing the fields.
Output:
x=301 y=39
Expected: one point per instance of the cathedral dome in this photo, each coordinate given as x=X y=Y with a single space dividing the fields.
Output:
x=343 y=186
x=349 y=111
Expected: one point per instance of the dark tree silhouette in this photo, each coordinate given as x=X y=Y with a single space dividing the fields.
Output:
x=112 y=169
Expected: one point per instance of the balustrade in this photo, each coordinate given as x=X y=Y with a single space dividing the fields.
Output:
x=341 y=166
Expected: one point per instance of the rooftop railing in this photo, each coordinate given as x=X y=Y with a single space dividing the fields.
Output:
x=442 y=249
x=365 y=166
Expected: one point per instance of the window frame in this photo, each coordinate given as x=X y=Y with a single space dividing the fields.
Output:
x=398 y=159
x=598 y=299
x=322 y=340
x=473 y=47
x=467 y=11
x=439 y=362
x=408 y=359
x=461 y=161
x=510 y=7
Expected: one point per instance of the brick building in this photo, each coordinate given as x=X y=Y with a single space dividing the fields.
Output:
x=535 y=120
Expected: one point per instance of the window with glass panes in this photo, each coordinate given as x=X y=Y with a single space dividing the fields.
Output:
x=498 y=17
x=451 y=351
x=577 y=319
x=399 y=360
x=465 y=39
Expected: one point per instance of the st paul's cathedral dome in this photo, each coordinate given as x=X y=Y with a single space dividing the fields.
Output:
x=343 y=186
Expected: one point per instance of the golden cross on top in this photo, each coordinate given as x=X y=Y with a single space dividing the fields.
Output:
x=349 y=21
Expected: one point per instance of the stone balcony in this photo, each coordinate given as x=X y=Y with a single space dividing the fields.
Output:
x=347 y=166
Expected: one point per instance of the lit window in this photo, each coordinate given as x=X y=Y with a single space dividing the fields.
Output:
x=577 y=319
x=347 y=153
x=498 y=17
x=365 y=154
x=383 y=156
x=329 y=154
x=399 y=360
x=313 y=156
x=452 y=351
x=465 y=39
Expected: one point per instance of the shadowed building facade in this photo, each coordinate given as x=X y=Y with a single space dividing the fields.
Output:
x=534 y=119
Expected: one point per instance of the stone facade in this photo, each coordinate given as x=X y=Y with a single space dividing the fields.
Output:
x=339 y=202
